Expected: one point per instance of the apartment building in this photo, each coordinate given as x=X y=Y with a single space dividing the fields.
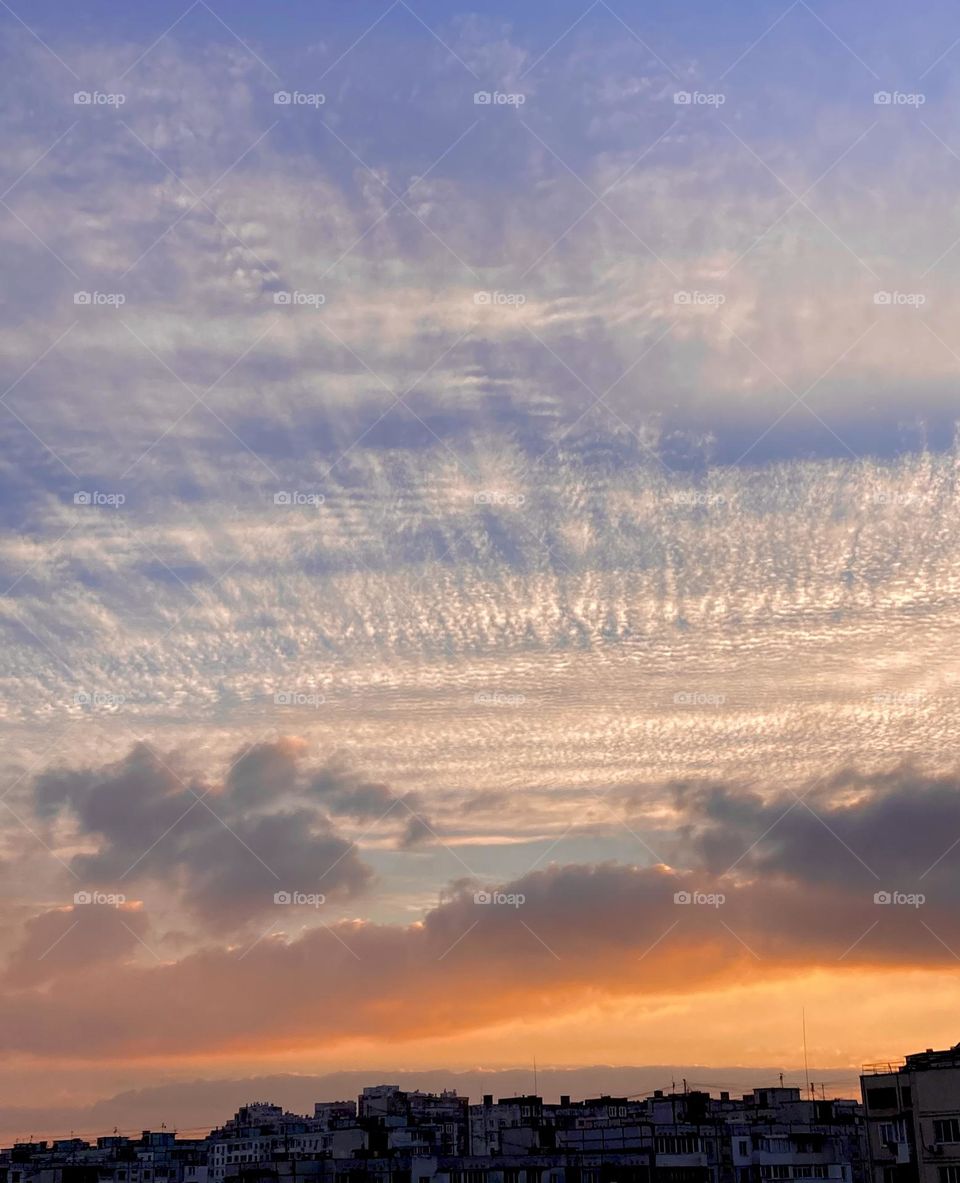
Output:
x=912 y=1117
x=771 y=1135
x=414 y=1122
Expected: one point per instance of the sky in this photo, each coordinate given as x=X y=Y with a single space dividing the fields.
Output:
x=481 y=549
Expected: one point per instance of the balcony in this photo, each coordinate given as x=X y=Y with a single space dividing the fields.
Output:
x=883 y=1068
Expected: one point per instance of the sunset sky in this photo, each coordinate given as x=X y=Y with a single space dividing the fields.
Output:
x=481 y=577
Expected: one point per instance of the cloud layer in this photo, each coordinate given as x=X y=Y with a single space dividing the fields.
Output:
x=761 y=887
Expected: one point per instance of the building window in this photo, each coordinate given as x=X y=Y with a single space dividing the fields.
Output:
x=946 y=1129
x=949 y=1174
x=679 y=1145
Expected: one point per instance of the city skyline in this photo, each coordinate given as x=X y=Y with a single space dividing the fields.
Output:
x=194 y=1108
x=903 y=1128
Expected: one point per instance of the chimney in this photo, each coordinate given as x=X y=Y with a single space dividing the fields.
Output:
x=724 y=1096
x=487 y=1100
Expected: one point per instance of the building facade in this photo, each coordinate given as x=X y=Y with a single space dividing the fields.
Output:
x=912 y=1116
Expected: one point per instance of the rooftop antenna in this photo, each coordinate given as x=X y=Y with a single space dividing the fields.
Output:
x=806 y=1070
x=535 y=1093
x=781 y=1080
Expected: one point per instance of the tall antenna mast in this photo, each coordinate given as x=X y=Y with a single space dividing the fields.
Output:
x=806 y=1070
x=535 y=1093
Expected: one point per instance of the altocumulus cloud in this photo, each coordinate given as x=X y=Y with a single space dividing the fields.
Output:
x=126 y=221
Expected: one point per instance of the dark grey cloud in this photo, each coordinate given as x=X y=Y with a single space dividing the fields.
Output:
x=557 y=937
x=222 y=850
x=346 y=794
x=849 y=830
